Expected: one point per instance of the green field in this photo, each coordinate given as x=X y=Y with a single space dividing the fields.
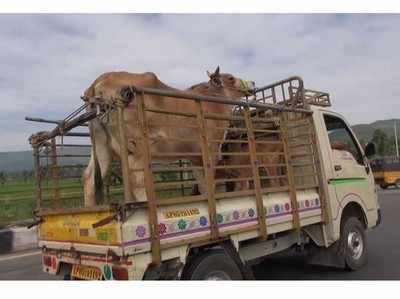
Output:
x=18 y=199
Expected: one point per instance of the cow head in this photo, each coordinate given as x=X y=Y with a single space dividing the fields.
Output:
x=233 y=87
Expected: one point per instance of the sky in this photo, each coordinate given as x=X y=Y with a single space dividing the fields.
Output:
x=48 y=60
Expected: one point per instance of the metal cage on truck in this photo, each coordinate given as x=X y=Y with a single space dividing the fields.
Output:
x=280 y=111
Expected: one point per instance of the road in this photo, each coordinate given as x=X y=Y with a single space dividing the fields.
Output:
x=383 y=247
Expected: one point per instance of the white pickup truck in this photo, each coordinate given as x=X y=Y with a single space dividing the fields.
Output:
x=324 y=201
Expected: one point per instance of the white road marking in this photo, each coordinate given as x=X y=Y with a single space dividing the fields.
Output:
x=12 y=257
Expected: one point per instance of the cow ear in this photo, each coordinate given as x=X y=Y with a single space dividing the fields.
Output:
x=216 y=73
x=209 y=74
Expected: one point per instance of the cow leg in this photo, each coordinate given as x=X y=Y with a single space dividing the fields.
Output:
x=137 y=178
x=104 y=160
x=201 y=186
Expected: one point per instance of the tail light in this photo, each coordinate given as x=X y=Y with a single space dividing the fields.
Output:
x=47 y=260
x=120 y=273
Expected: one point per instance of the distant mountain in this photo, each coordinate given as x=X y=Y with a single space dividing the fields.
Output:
x=23 y=160
x=365 y=131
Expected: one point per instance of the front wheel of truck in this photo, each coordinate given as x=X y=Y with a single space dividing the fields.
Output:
x=354 y=243
x=212 y=265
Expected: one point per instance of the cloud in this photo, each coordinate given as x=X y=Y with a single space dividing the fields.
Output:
x=47 y=61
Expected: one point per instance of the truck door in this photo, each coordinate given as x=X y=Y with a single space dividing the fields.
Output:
x=351 y=176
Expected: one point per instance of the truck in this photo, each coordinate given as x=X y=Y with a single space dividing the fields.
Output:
x=386 y=171
x=322 y=198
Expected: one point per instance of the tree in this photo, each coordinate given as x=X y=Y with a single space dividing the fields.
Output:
x=3 y=178
x=381 y=141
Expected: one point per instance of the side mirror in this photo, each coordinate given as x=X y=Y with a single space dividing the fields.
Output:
x=370 y=149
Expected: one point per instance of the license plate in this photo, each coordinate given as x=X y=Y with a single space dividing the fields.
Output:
x=86 y=272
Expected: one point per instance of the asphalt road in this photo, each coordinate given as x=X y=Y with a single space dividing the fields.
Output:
x=383 y=256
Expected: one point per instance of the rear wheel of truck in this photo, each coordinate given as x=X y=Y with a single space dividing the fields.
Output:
x=383 y=185
x=354 y=243
x=212 y=265
x=397 y=183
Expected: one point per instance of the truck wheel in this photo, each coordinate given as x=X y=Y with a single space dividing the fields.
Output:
x=212 y=265
x=383 y=185
x=67 y=277
x=397 y=183
x=354 y=243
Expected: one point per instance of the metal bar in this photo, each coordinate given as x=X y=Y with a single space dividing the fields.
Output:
x=150 y=189
x=76 y=134
x=64 y=127
x=65 y=156
x=55 y=173
x=256 y=175
x=234 y=180
x=176 y=154
x=74 y=145
x=208 y=165
x=38 y=177
x=49 y=121
x=176 y=113
x=233 y=166
x=219 y=100
x=128 y=195
x=290 y=173
x=180 y=200
x=326 y=213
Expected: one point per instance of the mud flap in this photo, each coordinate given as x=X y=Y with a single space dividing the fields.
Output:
x=245 y=268
x=332 y=256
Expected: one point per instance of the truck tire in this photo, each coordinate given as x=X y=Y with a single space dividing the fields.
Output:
x=212 y=265
x=397 y=183
x=383 y=185
x=353 y=243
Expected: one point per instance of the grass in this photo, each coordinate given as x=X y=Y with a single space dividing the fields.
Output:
x=18 y=198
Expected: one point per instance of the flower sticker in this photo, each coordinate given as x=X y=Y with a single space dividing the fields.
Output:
x=140 y=231
x=182 y=224
x=203 y=221
x=236 y=215
x=251 y=212
x=220 y=218
x=287 y=206
x=276 y=208
x=162 y=229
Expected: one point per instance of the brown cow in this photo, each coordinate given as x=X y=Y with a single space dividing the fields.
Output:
x=106 y=135
x=274 y=147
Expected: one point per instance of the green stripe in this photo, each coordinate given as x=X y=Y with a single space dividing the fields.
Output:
x=335 y=182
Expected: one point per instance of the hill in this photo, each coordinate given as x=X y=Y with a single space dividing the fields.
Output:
x=365 y=131
x=19 y=161
x=23 y=160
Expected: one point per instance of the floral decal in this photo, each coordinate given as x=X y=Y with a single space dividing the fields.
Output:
x=203 y=221
x=270 y=210
x=276 y=208
x=236 y=215
x=307 y=203
x=220 y=218
x=192 y=224
x=182 y=224
x=140 y=231
x=251 y=213
x=287 y=206
x=162 y=229
x=317 y=202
